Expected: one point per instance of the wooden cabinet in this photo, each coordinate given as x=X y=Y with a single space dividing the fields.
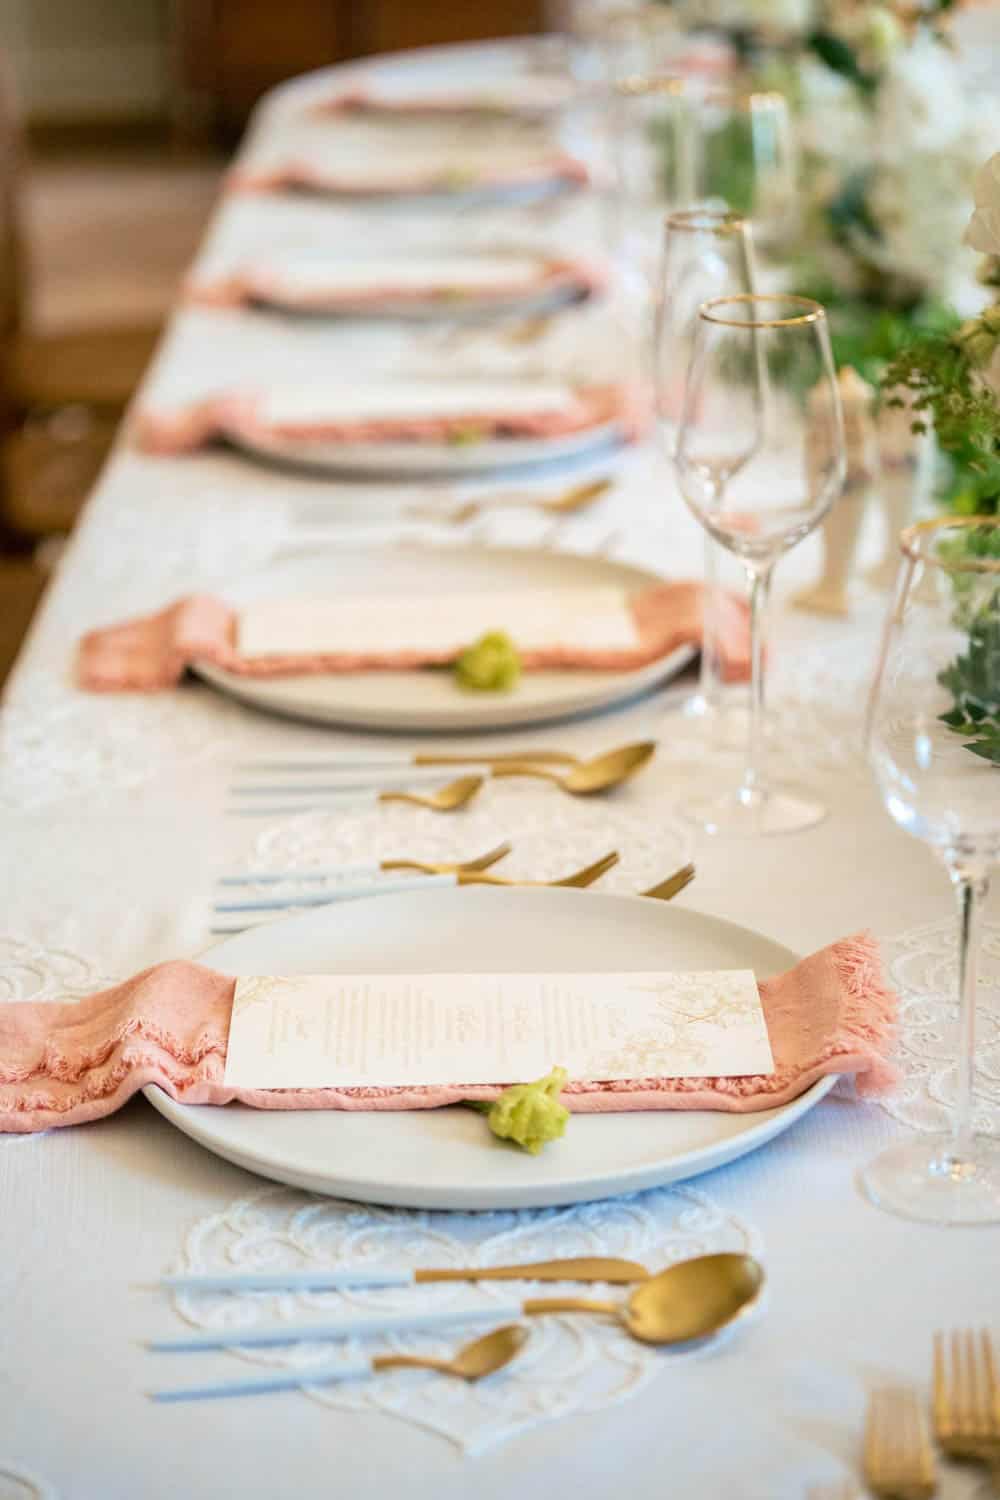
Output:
x=226 y=53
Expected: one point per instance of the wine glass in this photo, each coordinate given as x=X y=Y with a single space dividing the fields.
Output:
x=706 y=253
x=679 y=143
x=934 y=746
x=760 y=459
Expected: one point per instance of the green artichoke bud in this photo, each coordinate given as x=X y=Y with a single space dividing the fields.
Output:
x=529 y=1114
x=492 y=665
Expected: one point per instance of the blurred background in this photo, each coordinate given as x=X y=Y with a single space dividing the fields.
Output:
x=116 y=118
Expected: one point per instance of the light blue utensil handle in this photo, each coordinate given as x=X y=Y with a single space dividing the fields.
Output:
x=380 y=887
x=316 y=804
x=294 y=877
x=364 y=1326
x=287 y=1281
x=286 y=1380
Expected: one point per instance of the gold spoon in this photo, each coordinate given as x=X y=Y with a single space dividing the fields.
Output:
x=667 y=889
x=588 y=776
x=460 y=867
x=566 y=504
x=581 y=878
x=449 y=799
x=689 y=1300
x=472 y=1362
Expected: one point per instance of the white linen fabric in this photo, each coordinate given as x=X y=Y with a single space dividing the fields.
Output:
x=114 y=832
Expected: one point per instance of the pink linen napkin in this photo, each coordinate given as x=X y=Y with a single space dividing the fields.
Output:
x=152 y=653
x=243 y=414
x=263 y=283
x=63 y=1064
x=303 y=176
x=366 y=99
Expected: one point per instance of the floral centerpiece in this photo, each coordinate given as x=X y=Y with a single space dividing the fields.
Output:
x=890 y=141
x=951 y=379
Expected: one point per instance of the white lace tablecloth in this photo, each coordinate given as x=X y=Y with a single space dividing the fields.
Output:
x=113 y=832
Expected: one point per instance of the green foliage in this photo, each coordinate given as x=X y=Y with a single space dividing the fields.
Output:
x=841 y=58
x=946 y=391
x=973 y=679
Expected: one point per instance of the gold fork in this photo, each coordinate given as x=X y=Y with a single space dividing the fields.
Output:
x=898 y=1458
x=580 y=878
x=967 y=1398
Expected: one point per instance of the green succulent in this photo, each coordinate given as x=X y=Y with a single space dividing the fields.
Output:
x=529 y=1114
x=491 y=665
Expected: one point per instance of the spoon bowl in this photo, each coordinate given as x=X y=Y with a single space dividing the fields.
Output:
x=491 y=1352
x=447 y=799
x=588 y=776
x=692 y=1299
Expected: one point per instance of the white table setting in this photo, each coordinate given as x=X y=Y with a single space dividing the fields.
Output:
x=189 y=834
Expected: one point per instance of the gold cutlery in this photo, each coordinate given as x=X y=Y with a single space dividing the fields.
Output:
x=587 y=776
x=606 y=1269
x=482 y=1357
x=581 y=878
x=898 y=1458
x=447 y=799
x=350 y=759
x=445 y=867
x=967 y=1399
x=690 y=1300
x=566 y=504
x=667 y=889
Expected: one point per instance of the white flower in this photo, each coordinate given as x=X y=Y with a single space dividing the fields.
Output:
x=921 y=104
x=983 y=232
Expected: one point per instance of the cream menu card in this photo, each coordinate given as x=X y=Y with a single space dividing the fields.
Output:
x=379 y=1030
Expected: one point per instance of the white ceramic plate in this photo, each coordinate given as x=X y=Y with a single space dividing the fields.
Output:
x=427 y=459
x=446 y=1158
x=430 y=701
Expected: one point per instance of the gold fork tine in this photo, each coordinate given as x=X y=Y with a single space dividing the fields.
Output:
x=483 y=862
x=672 y=886
x=967 y=1396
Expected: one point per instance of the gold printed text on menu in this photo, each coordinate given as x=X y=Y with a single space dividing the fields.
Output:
x=382 y=1030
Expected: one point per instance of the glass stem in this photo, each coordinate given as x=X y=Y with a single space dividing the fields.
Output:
x=709 y=675
x=971 y=890
x=755 y=774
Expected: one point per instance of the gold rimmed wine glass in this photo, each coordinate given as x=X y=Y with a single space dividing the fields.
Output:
x=706 y=253
x=760 y=459
x=934 y=745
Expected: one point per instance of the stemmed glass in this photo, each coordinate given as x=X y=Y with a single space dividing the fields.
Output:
x=760 y=459
x=706 y=253
x=934 y=745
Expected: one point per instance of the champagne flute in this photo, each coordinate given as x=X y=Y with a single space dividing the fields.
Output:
x=934 y=746
x=760 y=459
x=706 y=253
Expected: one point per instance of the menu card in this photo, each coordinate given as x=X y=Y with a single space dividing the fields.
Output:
x=380 y=1030
x=585 y=619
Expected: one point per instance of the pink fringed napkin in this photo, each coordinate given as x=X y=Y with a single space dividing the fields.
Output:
x=65 y=1064
x=152 y=653
x=244 y=414
x=558 y=171
x=266 y=283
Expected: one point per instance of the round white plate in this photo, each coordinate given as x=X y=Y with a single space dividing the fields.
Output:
x=430 y=701
x=446 y=1158
x=426 y=459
